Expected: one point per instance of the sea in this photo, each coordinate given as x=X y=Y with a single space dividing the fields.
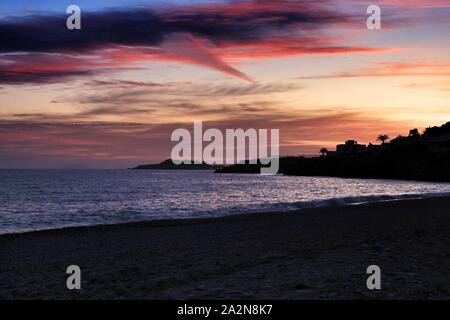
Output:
x=50 y=199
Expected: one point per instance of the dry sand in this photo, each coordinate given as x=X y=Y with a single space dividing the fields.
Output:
x=310 y=254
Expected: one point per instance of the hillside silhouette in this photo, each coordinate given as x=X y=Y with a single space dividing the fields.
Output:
x=417 y=156
x=169 y=165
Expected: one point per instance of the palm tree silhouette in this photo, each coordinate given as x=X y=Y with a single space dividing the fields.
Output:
x=383 y=138
x=323 y=152
x=414 y=133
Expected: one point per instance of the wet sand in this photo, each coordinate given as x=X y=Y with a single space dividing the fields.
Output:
x=318 y=253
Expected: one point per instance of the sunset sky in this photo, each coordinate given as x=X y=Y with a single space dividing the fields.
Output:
x=109 y=95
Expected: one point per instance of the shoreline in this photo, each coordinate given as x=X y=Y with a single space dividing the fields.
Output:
x=316 y=253
x=186 y=221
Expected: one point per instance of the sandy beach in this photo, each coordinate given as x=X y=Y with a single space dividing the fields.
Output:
x=317 y=253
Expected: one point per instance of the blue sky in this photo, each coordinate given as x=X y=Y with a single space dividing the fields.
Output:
x=20 y=6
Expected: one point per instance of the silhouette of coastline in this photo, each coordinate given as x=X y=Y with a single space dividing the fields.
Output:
x=169 y=165
x=417 y=156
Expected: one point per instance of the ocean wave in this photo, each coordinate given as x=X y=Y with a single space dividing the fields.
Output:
x=342 y=201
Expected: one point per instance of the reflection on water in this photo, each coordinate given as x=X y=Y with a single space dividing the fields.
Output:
x=43 y=199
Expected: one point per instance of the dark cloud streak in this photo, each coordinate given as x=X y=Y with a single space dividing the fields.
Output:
x=144 y=27
x=200 y=34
